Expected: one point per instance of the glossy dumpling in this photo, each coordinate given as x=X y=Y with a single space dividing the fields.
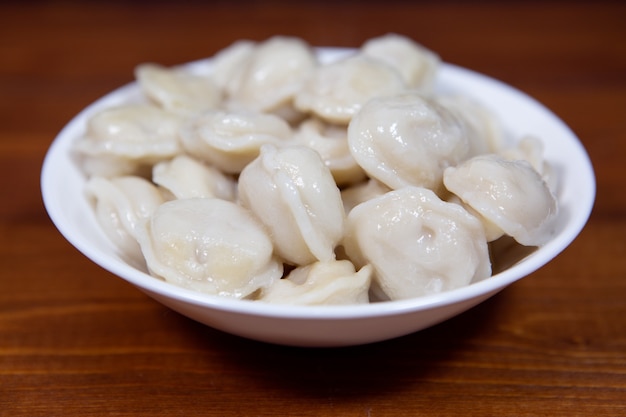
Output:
x=122 y=206
x=126 y=139
x=322 y=283
x=530 y=149
x=359 y=193
x=293 y=193
x=417 y=64
x=417 y=243
x=336 y=91
x=483 y=128
x=209 y=245
x=510 y=194
x=407 y=139
x=231 y=140
x=177 y=90
x=331 y=142
x=186 y=177
x=492 y=232
x=269 y=76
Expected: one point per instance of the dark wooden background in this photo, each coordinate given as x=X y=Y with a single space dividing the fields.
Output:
x=77 y=341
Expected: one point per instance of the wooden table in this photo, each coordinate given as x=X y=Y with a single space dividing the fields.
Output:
x=78 y=341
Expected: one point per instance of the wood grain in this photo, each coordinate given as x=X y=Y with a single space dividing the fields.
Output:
x=78 y=341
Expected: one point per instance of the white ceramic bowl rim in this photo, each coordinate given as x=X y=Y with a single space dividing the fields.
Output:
x=56 y=172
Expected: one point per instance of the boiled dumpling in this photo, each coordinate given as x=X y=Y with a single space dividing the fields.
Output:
x=331 y=142
x=336 y=91
x=417 y=243
x=417 y=64
x=209 y=245
x=530 y=148
x=407 y=139
x=492 y=232
x=509 y=194
x=269 y=75
x=128 y=139
x=322 y=283
x=294 y=194
x=177 y=90
x=122 y=206
x=228 y=65
x=483 y=129
x=231 y=140
x=359 y=193
x=186 y=177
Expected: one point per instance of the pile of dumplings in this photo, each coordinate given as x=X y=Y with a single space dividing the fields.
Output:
x=277 y=176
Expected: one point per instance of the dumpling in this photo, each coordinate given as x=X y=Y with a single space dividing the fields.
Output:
x=228 y=64
x=270 y=74
x=231 y=140
x=359 y=193
x=293 y=193
x=407 y=139
x=336 y=91
x=417 y=64
x=186 y=177
x=417 y=244
x=128 y=139
x=530 y=148
x=331 y=142
x=122 y=206
x=483 y=128
x=176 y=90
x=322 y=283
x=509 y=194
x=209 y=245
x=492 y=232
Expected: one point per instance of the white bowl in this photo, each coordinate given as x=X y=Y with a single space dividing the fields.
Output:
x=62 y=188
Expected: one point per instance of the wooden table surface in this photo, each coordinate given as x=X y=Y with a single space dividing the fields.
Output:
x=78 y=341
